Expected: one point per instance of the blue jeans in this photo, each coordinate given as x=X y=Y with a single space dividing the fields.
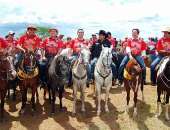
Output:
x=153 y=66
x=152 y=56
x=140 y=61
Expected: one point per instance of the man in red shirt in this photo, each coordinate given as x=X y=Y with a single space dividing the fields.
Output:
x=163 y=49
x=29 y=41
x=52 y=45
x=136 y=48
x=3 y=45
x=93 y=39
x=77 y=43
x=11 y=41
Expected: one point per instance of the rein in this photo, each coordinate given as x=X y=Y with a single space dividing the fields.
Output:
x=165 y=80
x=80 y=63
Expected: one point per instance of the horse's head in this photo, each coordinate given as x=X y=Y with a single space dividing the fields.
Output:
x=7 y=67
x=106 y=56
x=133 y=68
x=62 y=69
x=84 y=56
x=29 y=62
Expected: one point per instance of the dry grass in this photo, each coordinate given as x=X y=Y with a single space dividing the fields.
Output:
x=116 y=119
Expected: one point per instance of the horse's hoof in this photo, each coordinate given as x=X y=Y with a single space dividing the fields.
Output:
x=21 y=112
x=134 y=114
x=73 y=114
x=167 y=119
x=98 y=113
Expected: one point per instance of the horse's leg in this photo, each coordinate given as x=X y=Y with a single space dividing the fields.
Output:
x=94 y=91
x=83 y=98
x=49 y=94
x=127 y=87
x=107 y=97
x=142 y=87
x=98 y=89
x=53 y=100
x=3 y=94
x=158 y=101
x=166 y=107
x=34 y=92
x=74 y=98
x=135 y=104
x=14 y=94
x=61 y=90
x=24 y=99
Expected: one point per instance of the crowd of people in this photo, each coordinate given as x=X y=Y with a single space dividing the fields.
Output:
x=128 y=48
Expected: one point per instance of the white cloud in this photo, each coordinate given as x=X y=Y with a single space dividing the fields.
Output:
x=118 y=16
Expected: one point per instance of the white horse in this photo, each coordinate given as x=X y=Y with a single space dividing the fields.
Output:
x=79 y=74
x=103 y=76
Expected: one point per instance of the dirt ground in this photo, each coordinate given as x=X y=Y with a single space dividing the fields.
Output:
x=116 y=119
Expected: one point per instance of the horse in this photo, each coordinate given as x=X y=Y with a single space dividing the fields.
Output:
x=132 y=80
x=103 y=76
x=7 y=72
x=27 y=73
x=163 y=86
x=79 y=74
x=58 y=76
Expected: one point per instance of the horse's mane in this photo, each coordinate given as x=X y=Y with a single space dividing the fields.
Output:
x=53 y=64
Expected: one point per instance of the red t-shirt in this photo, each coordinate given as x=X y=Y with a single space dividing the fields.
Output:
x=52 y=45
x=29 y=42
x=12 y=43
x=3 y=43
x=136 y=46
x=77 y=43
x=163 y=44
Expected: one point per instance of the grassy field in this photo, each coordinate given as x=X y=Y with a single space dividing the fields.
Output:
x=116 y=119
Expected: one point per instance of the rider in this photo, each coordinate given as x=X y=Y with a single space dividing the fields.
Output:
x=28 y=42
x=163 y=49
x=96 y=50
x=3 y=45
x=136 y=48
x=51 y=46
x=76 y=45
x=111 y=39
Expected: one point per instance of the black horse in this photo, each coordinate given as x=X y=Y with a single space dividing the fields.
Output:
x=58 y=76
x=163 y=86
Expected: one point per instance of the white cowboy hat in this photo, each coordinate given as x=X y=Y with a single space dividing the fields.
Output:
x=167 y=29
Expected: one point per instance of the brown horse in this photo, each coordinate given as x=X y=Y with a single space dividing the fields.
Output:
x=163 y=86
x=132 y=80
x=28 y=78
x=7 y=72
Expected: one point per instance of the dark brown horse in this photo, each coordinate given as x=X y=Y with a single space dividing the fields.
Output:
x=28 y=78
x=132 y=80
x=163 y=86
x=7 y=72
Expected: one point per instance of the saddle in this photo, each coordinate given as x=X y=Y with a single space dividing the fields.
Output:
x=23 y=75
x=160 y=63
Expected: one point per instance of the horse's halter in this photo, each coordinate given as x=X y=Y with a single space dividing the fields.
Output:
x=32 y=66
x=106 y=65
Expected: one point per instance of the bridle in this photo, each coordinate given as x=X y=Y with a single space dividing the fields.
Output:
x=106 y=66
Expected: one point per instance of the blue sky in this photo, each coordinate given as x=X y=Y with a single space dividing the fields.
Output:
x=117 y=16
